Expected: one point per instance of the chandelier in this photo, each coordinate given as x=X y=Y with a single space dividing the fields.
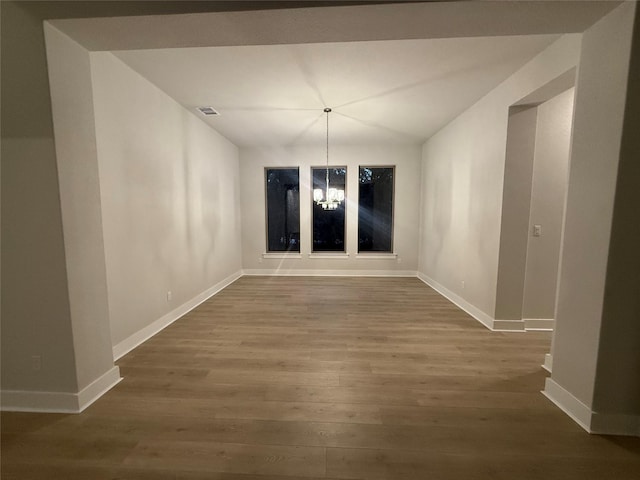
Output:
x=329 y=199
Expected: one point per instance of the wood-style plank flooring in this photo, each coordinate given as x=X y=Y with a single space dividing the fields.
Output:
x=335 y=378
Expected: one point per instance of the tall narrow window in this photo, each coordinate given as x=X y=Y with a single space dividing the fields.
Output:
x=375 y=209
x=328 y=225
x=282 y=187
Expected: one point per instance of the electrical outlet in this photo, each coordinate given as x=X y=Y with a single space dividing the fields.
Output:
x=462 y=284
x=537 y=230
x=36 y=363
x=169 y=296
x=399 y=260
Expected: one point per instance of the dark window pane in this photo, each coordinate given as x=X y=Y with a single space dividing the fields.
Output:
x=328 y=225
x=375 y=209
x=283 y=209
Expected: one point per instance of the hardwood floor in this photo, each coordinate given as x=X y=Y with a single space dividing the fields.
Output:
x=333 y=378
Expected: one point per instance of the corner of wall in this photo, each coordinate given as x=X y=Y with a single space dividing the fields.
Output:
x=125 y=346
x=76 y=160
x=475 y=312
x=592 y=422
x=568 y=403
x=60 y=402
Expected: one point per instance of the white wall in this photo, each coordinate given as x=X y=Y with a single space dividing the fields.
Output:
x=516 y=204
x=579 y=353
x=68 y=381
x=33 y=250
x=407 y=187
x=462 y=181
x=169 y=186
x=617 y=386
x=31 y=166
x=548 y=192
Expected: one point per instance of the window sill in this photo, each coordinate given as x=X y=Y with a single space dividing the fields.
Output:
x=377 y=256
x=329 y=255
x=281 y=255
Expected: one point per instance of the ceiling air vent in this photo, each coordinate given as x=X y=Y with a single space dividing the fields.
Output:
x=208 y=111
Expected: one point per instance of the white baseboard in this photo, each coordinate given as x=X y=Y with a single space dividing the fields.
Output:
x=569 y=404
x=476 y=313
x=508 y=326
x=516 y=325
x=544 y=324
x=98 y=387
x=59 y=402
x=548 y=362
x=150 y=330
x=46 y=402
x=327 y=273
x=592 y=422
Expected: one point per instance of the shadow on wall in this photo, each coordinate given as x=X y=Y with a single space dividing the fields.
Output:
x=440 y=211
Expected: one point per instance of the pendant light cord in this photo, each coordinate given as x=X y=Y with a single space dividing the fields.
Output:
x=327 y=110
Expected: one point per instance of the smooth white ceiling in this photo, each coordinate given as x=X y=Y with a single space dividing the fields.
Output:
x=380 y=91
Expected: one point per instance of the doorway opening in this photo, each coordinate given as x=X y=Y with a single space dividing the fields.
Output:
x=534 y=196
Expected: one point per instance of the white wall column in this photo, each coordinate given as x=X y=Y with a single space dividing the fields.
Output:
x=586 y=349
